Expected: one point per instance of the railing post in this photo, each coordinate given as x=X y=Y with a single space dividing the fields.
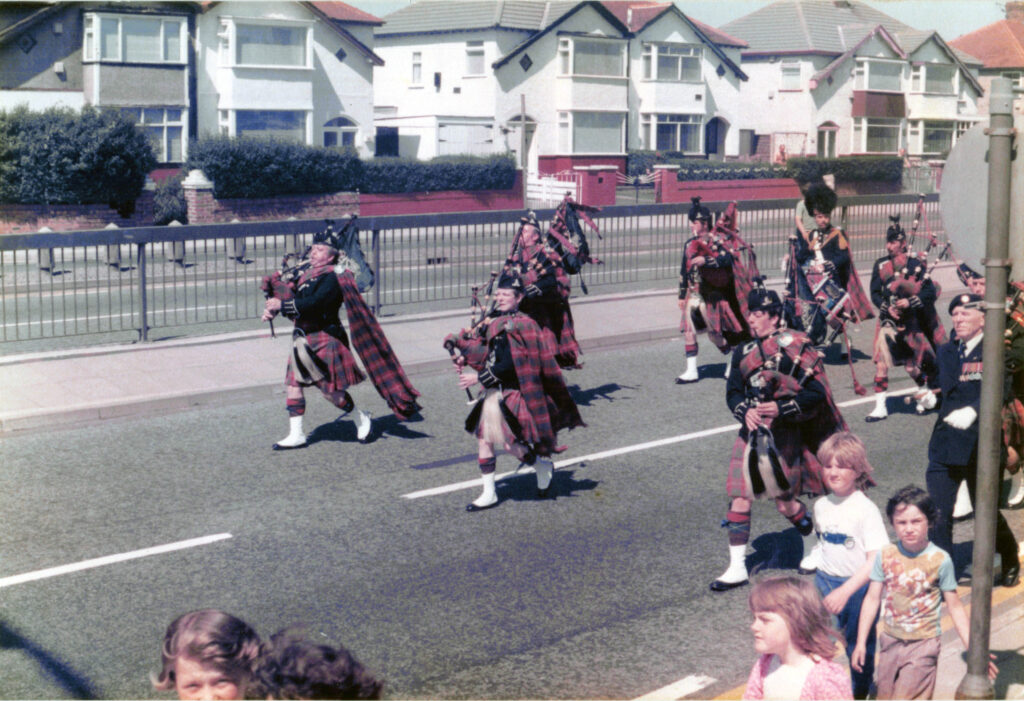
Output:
x=177 y=255
x=375 y=245
x=144 y=310
x=113 y=250
x=46 y=262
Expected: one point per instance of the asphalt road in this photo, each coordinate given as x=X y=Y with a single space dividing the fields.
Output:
x=599 y=593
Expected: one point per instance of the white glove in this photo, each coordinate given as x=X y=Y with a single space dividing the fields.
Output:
x=961 y=418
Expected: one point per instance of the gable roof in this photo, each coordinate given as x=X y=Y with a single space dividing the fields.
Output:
x=17 y=17
x=996 y=45
x=443 y=16
x=576 y=7
x=829 y=27
x=343 y=12
x=878 y=31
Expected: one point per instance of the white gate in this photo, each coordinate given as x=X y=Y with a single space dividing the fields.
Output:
x=550 y=189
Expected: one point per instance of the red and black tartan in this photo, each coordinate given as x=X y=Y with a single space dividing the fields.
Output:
x=372 y=346
x=536 y=261
x=722 y=306
x=1012 y=414
x=796 y=440
x=542 y=405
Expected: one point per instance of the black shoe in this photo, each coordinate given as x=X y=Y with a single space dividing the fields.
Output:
x=806 y=570
x=472 y=508
x=872 y=419
x=1011 y=576
x=719 y=585
x=278 y=446
x=546 y=493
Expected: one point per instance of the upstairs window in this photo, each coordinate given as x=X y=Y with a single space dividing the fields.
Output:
x=133 y=39
x=591 y=57
x=672 y=62
x=268 y=45
x=883 y=76
x=939 y=78
x=790 y=76
x=417 y=68
x=474 y=58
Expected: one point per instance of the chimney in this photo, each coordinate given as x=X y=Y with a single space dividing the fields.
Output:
x=1015 y=10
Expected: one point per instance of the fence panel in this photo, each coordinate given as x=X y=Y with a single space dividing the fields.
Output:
x=95 y=282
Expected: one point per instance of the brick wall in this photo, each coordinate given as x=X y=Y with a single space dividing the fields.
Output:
x=29 y=218
x=203 y=208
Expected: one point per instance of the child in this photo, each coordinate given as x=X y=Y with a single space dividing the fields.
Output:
x=797 y=643
x=207 y=654
x=850 y=532
x=918 y=576
x=292 y=667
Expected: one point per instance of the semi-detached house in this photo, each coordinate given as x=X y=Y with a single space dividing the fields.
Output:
x=589 y=80
x=837 y=77
x=296 y=70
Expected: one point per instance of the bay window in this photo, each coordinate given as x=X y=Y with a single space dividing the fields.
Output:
x=878 y=75
x=266 y=44
x=938 y=78
x=591 y=132
x=672 y=62
x=672 y=132
x=133 y=39
x=591 y=57
x=163 y=126
x=937 y=137
x=876 y=135
x=287 y=125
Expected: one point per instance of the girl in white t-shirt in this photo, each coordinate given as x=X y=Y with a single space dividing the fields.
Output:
x=850 y=531
x=796 y=640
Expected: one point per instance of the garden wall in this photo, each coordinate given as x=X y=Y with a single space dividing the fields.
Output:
x=30 y=218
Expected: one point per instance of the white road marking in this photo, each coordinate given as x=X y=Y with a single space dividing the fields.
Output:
x=110 y=560
x=124 y=315
x=677 y=690
x=445 y=489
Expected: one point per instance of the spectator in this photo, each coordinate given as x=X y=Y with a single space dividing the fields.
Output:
x=292 y=667
x=917 y=576
x=850 y=532
x=207 y=654
x=797 y=643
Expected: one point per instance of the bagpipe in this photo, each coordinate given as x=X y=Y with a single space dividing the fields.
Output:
x=568 y=239
x=282 y=282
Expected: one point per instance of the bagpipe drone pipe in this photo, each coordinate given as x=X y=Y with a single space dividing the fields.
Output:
x=568 y=239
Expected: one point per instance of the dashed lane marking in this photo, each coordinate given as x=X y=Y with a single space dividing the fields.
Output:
x=679 y=689
x=468 y=484
x=110 y=560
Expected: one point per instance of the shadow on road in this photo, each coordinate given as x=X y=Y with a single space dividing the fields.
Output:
x=73 y=683
x=344 y=430
x=524 y=487
x=586 y=397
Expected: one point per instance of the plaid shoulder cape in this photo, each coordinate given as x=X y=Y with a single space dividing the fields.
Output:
x=541 y=384
x=372 y=347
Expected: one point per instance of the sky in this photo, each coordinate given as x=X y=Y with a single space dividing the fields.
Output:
x=950 y=18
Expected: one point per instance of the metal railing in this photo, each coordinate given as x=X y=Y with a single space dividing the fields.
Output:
x=110 y=280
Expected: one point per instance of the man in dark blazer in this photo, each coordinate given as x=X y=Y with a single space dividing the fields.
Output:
x=953 y=448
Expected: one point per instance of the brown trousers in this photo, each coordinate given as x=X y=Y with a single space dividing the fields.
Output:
x=906 y=668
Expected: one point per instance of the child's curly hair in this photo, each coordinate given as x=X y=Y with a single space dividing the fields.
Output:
x=290 y=666
x=212 y=637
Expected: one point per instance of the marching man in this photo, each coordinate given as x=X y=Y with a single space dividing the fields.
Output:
x=525 y=401
x=778 y=391
x=321 y=355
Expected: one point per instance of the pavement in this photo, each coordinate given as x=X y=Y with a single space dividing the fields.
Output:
x=62 y=389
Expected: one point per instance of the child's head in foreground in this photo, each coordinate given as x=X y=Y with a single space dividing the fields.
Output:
x=789 y=610
x=911 y=511
x=292 y=667
x=207 y=654
x=844 y=463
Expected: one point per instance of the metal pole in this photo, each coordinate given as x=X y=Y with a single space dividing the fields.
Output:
x=144 y=311
x=522 y=143
x=975 y=684
x=375 y=245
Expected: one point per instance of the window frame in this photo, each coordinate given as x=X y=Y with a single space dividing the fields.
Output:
x=919 y=79
x=862 y=74
x=475 y=51
x=92 y=38
x=343 y=132
x=862 y=127
x=567 y=46
x=228 y=122
x=166 y=126
x=651 y=121
x=785 y=86
x=229 y=45
x=567 y=136
x=652 y=55
x=416 y=79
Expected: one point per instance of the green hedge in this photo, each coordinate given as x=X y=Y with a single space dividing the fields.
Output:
x=255 y=168
x=638 y=162
x=847 y=168
x=393 y=175
x=62 y=156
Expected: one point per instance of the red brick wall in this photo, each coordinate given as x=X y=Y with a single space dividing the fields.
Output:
x=204 y=209
x=673 y=190
x=29 y=218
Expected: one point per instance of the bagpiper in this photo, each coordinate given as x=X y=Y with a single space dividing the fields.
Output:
x=778 y=391
x=904 y=293
x=311 y=295
x=546 y=288
x=525 y=401
x=714 y=281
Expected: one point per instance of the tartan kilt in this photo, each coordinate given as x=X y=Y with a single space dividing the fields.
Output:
x=343 y=372
x=801 y=466
x=906 y=347
x=517 y=421
x=716 y=313
x=1012 y=414
x=555 y=321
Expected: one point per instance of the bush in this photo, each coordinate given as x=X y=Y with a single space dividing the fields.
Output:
x=169 y=201
x=60 y=156
x=393 y=175
x=846 y=168
x=255 y=168
x=637 y=163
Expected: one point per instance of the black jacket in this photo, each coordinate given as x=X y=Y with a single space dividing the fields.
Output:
x=948 y=445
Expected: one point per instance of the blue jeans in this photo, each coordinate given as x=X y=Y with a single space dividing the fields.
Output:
x=847 y=621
